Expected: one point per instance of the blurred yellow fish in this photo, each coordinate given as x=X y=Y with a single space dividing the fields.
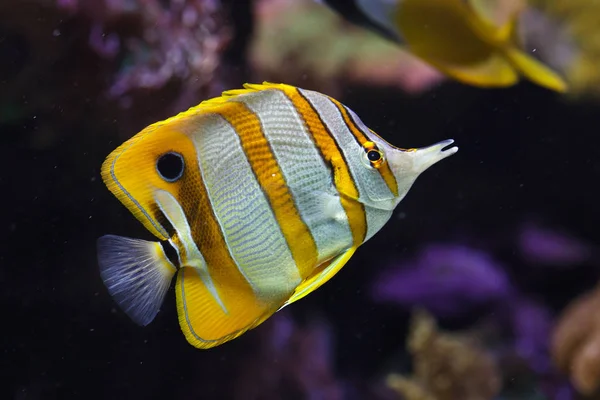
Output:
x=565 y=34
x=262 y=194
x=472 y=41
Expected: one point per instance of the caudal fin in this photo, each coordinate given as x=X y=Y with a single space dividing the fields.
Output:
x=137 y=274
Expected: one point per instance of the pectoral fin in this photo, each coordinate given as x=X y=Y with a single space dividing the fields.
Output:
x=323 y=274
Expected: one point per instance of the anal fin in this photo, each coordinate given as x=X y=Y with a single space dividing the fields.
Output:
x=207 y=321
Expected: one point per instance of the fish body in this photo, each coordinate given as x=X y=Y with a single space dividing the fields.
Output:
x=473 y=41
x=264 y=193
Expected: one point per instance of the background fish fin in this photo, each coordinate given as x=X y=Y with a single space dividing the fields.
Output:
x=495 y=71
x=320 y=277
x=208 y=322
x=137 y=274
x=496 y=19
x=507 y=38
x=448 y=36
x=535 y=71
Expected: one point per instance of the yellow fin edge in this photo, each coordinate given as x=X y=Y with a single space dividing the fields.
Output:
x=317 y=280
x=248 y=88
x=186 y=325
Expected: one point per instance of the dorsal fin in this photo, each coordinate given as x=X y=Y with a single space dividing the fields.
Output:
x=228 y=95
x=248 y=88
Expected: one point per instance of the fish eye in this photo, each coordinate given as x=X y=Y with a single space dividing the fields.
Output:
x=373 y=157
x=170 y=166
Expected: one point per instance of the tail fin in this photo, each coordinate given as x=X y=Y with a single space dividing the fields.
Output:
x=137 y=274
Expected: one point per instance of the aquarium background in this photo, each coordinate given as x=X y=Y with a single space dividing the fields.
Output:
x=482 y=286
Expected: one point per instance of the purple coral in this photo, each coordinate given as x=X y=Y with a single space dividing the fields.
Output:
x=541 y=245
x=532 y=324
x=291 y=359
x=451 y=280
x=446 y=279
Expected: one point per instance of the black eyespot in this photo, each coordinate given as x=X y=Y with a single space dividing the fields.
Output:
x=374 y=155
x=170 y=166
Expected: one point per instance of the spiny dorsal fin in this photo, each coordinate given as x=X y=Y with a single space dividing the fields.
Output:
x=248 y=88
x=228 y=95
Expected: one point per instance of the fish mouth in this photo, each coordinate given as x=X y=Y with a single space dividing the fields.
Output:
x=442 y=147
x=425 y=157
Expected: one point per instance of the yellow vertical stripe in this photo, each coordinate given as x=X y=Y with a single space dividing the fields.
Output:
x=332 y=155
x=271 y=179
x=202 y=320
x=385 y=171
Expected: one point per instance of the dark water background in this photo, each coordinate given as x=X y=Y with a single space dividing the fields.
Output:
x=525 y=154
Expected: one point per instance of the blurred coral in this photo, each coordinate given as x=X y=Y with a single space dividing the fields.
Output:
x=301 y=40
x=455 y=281
x=531 y=324
x=178 y=39
x=446 y=367
x=290 y=361
x=448 y=280
x=526 y=357
x=541 y=245
x=133 y=60
x=576 y=342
